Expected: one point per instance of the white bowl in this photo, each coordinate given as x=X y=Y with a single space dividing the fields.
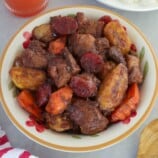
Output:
x=133 y=7
x=67 y=142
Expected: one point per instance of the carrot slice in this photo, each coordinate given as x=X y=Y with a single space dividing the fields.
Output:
x=57 y=45
x=59 y=100
x=133 y=93
x=27 y=101
x=128 y=105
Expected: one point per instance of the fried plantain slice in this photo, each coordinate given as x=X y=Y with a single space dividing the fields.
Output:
x=117 y=36
x=27 y=78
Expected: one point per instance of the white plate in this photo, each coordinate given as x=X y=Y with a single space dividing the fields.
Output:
x=128 y=6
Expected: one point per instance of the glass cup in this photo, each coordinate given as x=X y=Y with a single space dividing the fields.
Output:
x=25 y=8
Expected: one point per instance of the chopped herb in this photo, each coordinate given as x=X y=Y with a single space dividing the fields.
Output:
x=94 y=135
x=71 y=15
x=76 y=136
x=145 y=70
x=141 y=54
x=15 y=92
x=11 y=85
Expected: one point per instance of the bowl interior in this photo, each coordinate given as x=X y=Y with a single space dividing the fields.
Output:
x=78 y=143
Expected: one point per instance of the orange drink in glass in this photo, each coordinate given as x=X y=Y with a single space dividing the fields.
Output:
x=25 y=7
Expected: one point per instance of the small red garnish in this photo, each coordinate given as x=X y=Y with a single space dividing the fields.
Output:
x=126 y=121
x=133 y=47
x=134 y=113
x=32 y=123
x=26 y=44
x=125 y=28
x=39 y=128
x=27 y=35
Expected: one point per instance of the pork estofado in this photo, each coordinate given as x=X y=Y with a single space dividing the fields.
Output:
x=76 y=72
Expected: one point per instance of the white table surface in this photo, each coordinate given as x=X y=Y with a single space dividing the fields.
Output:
x=9 y=24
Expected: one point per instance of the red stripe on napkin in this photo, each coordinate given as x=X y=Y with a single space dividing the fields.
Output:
x=3 y=151
x=3 y=140
x=25 y=154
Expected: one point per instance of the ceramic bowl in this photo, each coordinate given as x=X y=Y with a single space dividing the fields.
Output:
x=132 y=7
x=68 y=142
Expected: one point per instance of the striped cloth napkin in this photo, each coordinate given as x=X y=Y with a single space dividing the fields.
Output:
x=7 y=151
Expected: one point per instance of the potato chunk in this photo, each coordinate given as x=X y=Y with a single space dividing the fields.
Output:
x=117 y=36
x=59 y=123
x=27 y=78
x=43 y=32
x=113 y=88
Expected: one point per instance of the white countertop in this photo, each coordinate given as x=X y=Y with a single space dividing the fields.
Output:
x=127 y=148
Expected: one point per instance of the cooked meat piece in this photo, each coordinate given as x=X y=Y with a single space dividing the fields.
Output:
x=64 y=25
x=89 y=26
x=74 y=67
x=108 y=66
x=113 y=88
x=42 y=94
x=117 y=36
x=37 y=46
x=59 y=71
x=59 y=123
x=133 y=64
x=31 y=59
x=35 y=56
x=27 y=78
x=82 y=43
x=115 y=54
x=87 y=117
x=91 y=62
x=81 y=18
x=92 y=27
x=84 y=85
x=102 y=44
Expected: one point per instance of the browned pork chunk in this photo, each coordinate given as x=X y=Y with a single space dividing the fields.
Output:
x=74 y=67
x=102 y=44
x=35 y=56
x=89 y=26
x=133 y=64
x=59 y=71
x=62 y=67
x=82 y=43
x=87 y=116
x=32 y=59
x=81 y=18
x=59 y=123
x=92 y=27
x=116 y=55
